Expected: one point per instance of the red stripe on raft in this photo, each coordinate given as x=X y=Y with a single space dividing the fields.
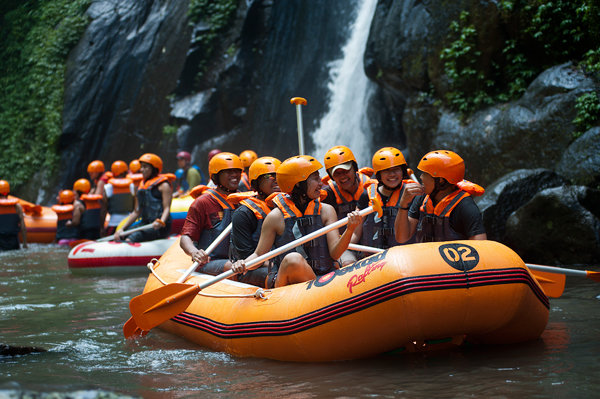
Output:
x=41 y=229
x=111 y=261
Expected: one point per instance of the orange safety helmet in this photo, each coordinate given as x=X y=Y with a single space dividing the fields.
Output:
x=387 y=157
x=134 y=166
x=443 y=163
x=294 y=170
x=66 y=197
x=4 y=187
x=82 y=185
x=338 y=155
x=262 y=166
x=153 y=160
x=222 y=161
x=96 y=166
x=248 y=157
x=118 y=168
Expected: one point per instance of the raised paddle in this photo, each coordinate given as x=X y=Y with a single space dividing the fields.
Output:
x=131 y=329
x=157 y=306
x=298 y=101
x=552 y=284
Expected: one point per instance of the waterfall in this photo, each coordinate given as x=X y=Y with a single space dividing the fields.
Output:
x=345 y=123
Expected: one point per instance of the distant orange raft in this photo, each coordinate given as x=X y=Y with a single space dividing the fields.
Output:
x=40 y=222
x=414 y=297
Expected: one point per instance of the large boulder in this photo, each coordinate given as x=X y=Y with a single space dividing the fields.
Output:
x=580 y=163
x=531 y=132
x=558 y=225
x=509 y=193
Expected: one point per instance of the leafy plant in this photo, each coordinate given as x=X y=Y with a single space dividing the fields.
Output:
x=36 y=38
x=217 y=15
x=548 y=33
x=588 y=113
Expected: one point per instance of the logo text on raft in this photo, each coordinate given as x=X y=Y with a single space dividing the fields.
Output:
x=327 y=278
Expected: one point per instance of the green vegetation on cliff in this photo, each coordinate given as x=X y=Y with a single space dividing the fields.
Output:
x=538 y=34
x=35 y=39
x=216 y=15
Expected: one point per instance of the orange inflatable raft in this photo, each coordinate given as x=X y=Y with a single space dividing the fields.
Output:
x=40 y=222
x=414 y=297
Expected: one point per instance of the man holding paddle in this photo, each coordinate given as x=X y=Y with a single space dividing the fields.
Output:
x=299 y=212
x=210 y=214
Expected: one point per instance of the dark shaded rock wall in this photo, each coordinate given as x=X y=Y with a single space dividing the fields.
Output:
x=118 y=78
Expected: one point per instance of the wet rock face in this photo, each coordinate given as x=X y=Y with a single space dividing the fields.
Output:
x=117 y=81
x=509 y=193
x=532 y=132
x=557 y=227
x=580 y=163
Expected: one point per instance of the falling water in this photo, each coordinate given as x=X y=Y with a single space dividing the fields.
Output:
x=345 y=123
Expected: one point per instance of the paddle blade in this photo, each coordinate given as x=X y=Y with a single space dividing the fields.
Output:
x=131 y=329
x=593 y=275
x=553 y=284
x=157 y=306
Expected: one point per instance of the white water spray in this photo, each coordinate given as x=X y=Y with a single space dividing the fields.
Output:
x=345 y=123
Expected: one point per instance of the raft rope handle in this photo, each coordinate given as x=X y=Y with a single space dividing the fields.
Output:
x=151 y=265
x=258 y=294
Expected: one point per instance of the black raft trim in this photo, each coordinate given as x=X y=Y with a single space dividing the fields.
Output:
x=363 y=301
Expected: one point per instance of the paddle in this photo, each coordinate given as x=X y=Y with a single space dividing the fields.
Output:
x=298 y=101
x=157 y=306
x=127 y=232
x=131 y=329
x=552 y=284
x=595 y=276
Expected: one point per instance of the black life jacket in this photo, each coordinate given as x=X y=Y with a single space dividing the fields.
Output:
x=121 y=201
x=10 y=223
x=298 y=224
x=260 y=209
x=379 y=231
x=434 y=222
x=150 y=200
x=64 y=213
x=209 y=235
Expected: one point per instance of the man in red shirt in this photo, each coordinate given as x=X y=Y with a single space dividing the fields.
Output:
x=210 y=214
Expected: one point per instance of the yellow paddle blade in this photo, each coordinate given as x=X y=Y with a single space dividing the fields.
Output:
x=159 y=305
x=553 y=284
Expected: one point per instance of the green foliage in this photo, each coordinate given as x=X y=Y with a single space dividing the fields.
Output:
x=169 y=130
x=35 y=38
x=548 y=32
x=588 y=113
x=217 y=15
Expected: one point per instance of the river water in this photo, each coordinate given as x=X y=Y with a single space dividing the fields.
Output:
x=79 y=319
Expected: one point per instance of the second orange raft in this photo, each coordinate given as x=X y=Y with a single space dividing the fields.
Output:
x=412 y=297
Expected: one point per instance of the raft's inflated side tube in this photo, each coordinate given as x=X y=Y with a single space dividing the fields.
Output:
x=410 y=297
x=110 y=257
x=179 y=209
x=40 y=222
